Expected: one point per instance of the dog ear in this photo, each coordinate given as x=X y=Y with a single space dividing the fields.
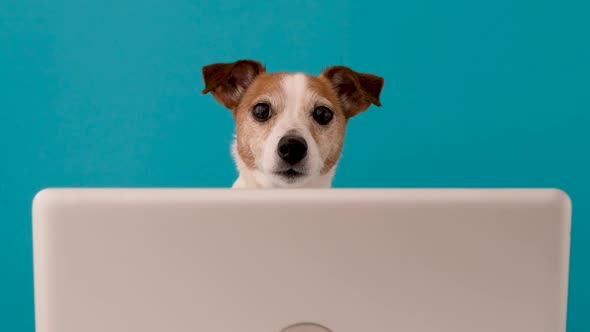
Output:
x=227 y=82
x=357 y=91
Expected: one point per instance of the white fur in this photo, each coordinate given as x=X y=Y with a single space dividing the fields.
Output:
x=295 y=96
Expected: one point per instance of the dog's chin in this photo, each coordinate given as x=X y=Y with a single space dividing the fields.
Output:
x=290 y=177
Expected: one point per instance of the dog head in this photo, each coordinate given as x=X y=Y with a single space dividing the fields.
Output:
x=290 y=127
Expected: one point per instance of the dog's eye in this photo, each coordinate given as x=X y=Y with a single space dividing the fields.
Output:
x=261 y=112
x=323 y=115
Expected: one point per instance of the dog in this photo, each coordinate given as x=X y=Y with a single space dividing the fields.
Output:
x=290 y=126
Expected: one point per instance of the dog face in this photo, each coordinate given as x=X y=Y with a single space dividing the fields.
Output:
x=290 y=127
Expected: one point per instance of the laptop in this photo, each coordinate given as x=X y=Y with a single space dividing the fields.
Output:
x=309 y=260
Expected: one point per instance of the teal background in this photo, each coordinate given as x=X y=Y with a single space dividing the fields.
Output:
x=106 y=93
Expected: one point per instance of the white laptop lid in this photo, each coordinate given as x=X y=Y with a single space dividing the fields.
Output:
x=350 y=260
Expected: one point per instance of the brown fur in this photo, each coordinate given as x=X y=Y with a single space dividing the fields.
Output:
x=227 y=82
x=332 y=138
x=357 y=91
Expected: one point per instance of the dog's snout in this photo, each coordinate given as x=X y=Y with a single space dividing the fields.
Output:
x=292 y=149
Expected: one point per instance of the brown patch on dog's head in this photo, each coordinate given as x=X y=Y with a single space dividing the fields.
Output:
x=249 y=133
x=329 y=139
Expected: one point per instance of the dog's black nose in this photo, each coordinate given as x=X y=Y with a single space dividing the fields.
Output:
x=292 y=149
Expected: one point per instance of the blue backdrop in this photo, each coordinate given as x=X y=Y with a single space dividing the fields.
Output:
x=490 y=93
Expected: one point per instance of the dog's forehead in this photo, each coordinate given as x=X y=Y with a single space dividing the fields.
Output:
x=289 y=87
x=323 y=87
